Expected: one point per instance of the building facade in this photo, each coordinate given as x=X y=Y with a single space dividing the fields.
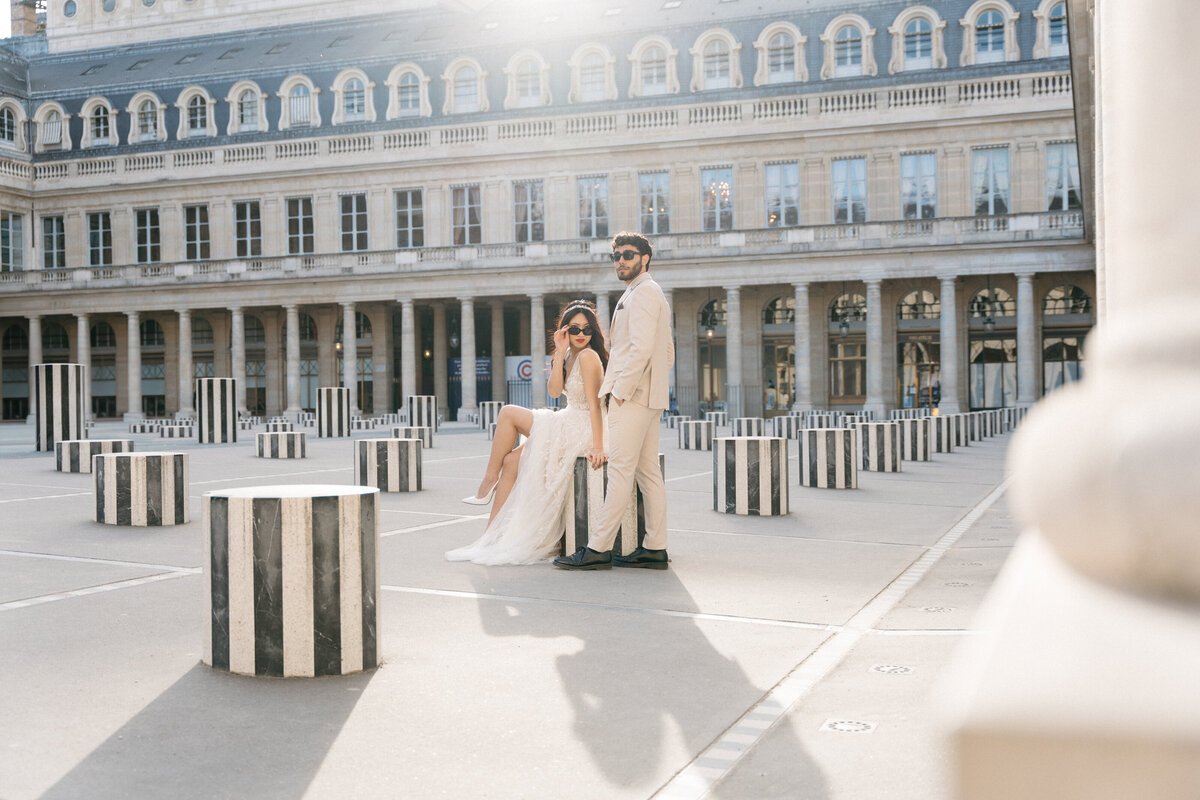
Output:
x=853 y=205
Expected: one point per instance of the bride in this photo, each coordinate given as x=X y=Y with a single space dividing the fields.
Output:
x=530 y=483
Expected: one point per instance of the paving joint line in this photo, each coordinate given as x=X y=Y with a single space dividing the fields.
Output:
x=13 y=605
x=90 y=560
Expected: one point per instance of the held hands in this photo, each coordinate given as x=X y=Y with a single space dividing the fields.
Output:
x=597 y=458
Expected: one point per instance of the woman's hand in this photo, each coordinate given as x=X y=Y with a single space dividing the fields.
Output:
x=562 y=342
x=597 y=458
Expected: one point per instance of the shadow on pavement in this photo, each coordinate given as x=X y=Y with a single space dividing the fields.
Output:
x=213 y=734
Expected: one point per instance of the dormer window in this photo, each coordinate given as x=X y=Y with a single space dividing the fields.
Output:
x=716 y=65
x=918 y=44
x=847 y=54
x=466 y=90
x=408 y=95
x=300 y=101
x=529 y=84
x=197 y=113
x=247 y=109
x=52 y=130
x=781 y=59
x=100 y=126
x=989 y=38
x=8 y=126
x=593 y=81
x=355 y=101
x=147 y=121
x=654 y=71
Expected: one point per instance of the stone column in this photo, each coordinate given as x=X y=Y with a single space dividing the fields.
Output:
x=441 y=352
x=292 y=367
x=408 y=349
x=350 y=355
x=35 y=357
x=467 y=326
x=1028 y=353
x=237 y=350
x=83 y=355
x=133 y=366
x=733 y=350
x=186 y=378
x=673 y=378
x=499 y=376
x=802 y=399
x=537 y=349
x=875 y=400
x=603 y=312
x=949 y=346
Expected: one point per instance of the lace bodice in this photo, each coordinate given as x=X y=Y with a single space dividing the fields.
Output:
x=577 y=399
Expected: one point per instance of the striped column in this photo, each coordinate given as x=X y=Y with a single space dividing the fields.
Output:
x=787 y=427
x=914 y=439
x=75 y=455
x=425 y=434
x=390 y=465
x=333 y=412
x=422 y=411
x=141 y=489
x=674 y=420
x=695 y=434
x=829 y=458
x=362 y=424
x=245 y=424
x=584 y=502
x=750 y=476
x=216 y=410
x=941 y=434
x=749 y=426
x=880 y=444
x=489 y=412
x=850 y=420
x=962 y=428
x=279 y=427
x=144 y=427
x=175 y=431
x=281 y=444
x=58 y=393
x=819 y=420
x=908 y=413
x=717 y=418
x=974 y=428
x=291 y=580
x=388 y=419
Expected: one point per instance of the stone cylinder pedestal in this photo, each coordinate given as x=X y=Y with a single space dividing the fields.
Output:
x=176 y=431
x=333 y=412
x=291 y=580
x=787 y=427
x=829 y=458
x=411 y=432
x=908 y=413
x=750 y=476
x=850 y=420
x=489 y=412
x=144 y=427
x=915 y=444
x=76 y=455
x=362 y=424
x=245 y=425
x=719 y=419
x=748 y=426
x=216 y=410
x=941 y=434
x=422 y=411
x=279 y=427
x=281 y=444
x=390 y=465
x=880 y=446
x=695 y=434
x=58 y=397
x=387 y=419
x=584 y=502
x=820 y=420
x=960 y=430
x=141 y=489
x=673 y=420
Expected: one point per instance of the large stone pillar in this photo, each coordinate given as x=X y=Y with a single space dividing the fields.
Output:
x=350 y=355
x=672 y=378
x=441 y=353
x=237 y=355
x=733 y=351
x=467 y=326
x=1029 y=355
x=537 y=349
x=291 y=380
x=499 y=371
x=83 y=355
x=133 y=365
x=876 y=403
x=35 y=357
x=949 y=346
x=186 y=377
x=802 y=398
x=408 y=349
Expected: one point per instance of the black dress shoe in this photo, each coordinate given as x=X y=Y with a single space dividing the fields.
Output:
x=643 y=559
x=585 y=558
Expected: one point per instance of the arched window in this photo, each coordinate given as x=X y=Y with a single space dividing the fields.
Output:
x=780 y=311
x=15 y=340
x=593 y=78
x=716 y=65
x=147 y=121
x=255 y=333
x=408 y=95
x=849 y=48
x=52 y=130
x=300 y=106
x=1058 y=30
x=711 y=316
x=990 y=33
x=919 y=304
x=1066 y=299
x=202 y=332
x=101 y=126
x=152 y=333
x=408 y=92
x=1051 y=40
x=917 y=40
x=780 y=49
x=848 y=307
x=529 y=84
x=354 y=101
x=247 y=110
x=781 y=59
x=989 y=37
x=466 y=90
x=308 y=328
x=8 y=125
x=654 y=71
x=848 y=56
x=918 y=44
x=197 y=116
x=54 y=337
x=991 y=302
x=102 y=335
x=362 y=325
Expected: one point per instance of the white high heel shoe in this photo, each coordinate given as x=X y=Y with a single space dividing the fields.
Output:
x=482 y=501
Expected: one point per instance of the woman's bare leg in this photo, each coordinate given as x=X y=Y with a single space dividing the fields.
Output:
x=511 y=421
x=508 y=476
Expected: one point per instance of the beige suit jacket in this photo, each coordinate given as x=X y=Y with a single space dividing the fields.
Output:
x=641 y=347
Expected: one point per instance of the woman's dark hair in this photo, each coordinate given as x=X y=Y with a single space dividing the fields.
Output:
x=588 y=309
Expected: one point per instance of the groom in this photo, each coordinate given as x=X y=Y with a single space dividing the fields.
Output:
x=640 y=358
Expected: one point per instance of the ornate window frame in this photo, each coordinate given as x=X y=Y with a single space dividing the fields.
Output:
x=575 y=63
x=511 y=98
x=47 y=113
x=339 y=95
x=937 y=38
x=285 y=102
x=829 y=67
x=160 y=135
x=762 y=75
x=234 y=100
x=452 y=69
x=87 y=111
x=19 y=120
x=1041 y=45
x=393 y=86
x=183 y=103
x=735 y=59
x=638 y=53
x=1012 y=48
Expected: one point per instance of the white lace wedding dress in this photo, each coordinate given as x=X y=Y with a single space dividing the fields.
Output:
x=529 y=526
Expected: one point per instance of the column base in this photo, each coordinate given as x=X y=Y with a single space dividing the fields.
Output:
x=133 y=416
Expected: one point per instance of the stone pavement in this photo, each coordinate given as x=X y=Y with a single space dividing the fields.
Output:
x=793 y=657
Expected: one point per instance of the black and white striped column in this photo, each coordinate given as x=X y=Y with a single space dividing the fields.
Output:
x=387 y=419
x=820 y=420
x=695 y=434
x=489 y=412
x=141 y=488
x=674 y=419
x=175 y=431
x=584 y=502
x=787 y=427
x=829 y=458
x=281 y=444
x=361 y=424
x=961 y=428
x=748 y=426
x=750 y=475
x=914 y=439
x=144 y=427
x=390 y=465
x=719 y=419
x=216 y=410
x=850 y=420
x=880 y=445
x=279 y=427
x=909 y=413
x=76 y=455
x=422 y=411
x=245 y=424
x=941 y=434
x=333 y=412
x=291 y=580
x=58 y=392
x=425 y=434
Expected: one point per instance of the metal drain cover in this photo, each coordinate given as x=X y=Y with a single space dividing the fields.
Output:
x=849 y=726
x=892 y=669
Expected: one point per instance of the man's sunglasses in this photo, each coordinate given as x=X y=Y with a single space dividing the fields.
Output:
x=624 y=255
x=575 y=330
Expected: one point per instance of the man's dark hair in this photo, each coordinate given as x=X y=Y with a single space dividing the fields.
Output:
x=637 y=240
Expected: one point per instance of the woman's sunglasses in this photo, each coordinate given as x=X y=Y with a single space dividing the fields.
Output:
x=624 y=255
x=575 y=330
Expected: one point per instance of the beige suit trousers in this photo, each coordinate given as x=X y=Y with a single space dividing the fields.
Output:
x=632 y=456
